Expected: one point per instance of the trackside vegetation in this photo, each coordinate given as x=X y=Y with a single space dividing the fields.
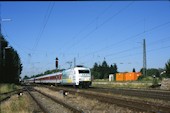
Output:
x=8 y=87
x=17 y=104
x=100 y=72
x=10 y=63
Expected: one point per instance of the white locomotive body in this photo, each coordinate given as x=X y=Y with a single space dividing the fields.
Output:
x=77 y=76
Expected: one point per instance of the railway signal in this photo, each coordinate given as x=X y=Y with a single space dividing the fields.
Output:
x=56 y=63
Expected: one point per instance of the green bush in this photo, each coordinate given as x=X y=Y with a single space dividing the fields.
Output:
x=147 y=78
x=140 y=78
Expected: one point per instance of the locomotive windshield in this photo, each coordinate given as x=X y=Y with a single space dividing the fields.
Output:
x=84 y=71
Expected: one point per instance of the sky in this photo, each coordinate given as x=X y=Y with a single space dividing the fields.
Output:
x=89 y=31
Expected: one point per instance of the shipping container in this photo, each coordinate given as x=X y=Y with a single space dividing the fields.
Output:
x=130 y=76
x=119 y=76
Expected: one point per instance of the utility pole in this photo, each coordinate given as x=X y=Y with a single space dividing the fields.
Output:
x=70 y=63
x=1 y=48
x=74 y=61
x=144 y=58
x=0 y=41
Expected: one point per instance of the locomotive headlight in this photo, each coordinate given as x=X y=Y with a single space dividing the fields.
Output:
x=86 y=79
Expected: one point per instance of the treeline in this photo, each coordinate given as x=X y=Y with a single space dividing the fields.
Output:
x=167 y=68
x=160 y=72
x=10 y=63
x=41 y=74
x=102 y=71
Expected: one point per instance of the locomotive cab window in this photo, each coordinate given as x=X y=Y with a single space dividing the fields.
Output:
x=84 y=71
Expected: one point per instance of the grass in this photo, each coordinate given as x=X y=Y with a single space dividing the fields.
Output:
x=8 y=87
x=16 y=105
x=101 y=80
x=122 y=84
x=144 y=82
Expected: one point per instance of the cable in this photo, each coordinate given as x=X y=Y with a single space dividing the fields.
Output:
x=141 y=53
x=123 y=51
x=14 y=43
x=90 y=23
x=131 y=37
x=88 y=34
x=147 y=51
x=152 y=43
x=46 y=18
x=83 y=38
x=45 y=21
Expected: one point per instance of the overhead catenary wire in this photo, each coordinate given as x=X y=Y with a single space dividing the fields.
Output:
x=131 y=37
x=90 y=23
x=126 y=39
x=23 y=53
x=126 y=50
x=12 y=41
x=100 y=25
x=151 y=50
x=138 y=47
x=24 y=49
x=45 y=21
x=44 y=24
x=93 y=53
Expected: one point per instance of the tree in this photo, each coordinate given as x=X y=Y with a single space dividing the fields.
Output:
x=153 y=71
x=111 y=69
x=95 y=67
x=115 y=68
x=104 y=64
x=49 y=71
x=94 y=71
x=103 y=71
x=26 y=77
x=167 y=68
x=11 y=64
x=3 y=44
x=133 y=70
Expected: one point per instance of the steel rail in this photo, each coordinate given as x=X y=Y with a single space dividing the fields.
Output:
x=6 y=93
x=72 y=108
x=124 y=102
x=4 y=99
x=38 y=103
x=138 y=93
x=9 y=94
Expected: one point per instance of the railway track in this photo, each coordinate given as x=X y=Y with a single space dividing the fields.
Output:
x=7 y=95
x=151 y=94
x=154 y=94
x=49 y=104
x=134 y=104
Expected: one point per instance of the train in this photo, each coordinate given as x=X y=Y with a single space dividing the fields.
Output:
x=78 y=76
